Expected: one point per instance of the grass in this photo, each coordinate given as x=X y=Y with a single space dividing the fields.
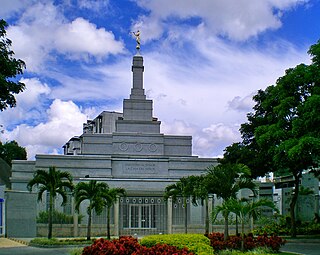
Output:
x=60 y=242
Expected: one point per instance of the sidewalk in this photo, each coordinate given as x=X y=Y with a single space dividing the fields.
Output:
x=5 y=243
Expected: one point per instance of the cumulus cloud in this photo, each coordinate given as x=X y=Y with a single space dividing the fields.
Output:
x=235 y=19
x=64 y=121
x=80 y=36
x=198 y=74
x=29 y=104
x=43 y=30
x=240 y=104
x=207 y=141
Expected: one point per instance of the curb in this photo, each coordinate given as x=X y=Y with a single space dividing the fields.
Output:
x=19 y=241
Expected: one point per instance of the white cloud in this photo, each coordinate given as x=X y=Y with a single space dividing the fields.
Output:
x=197 y=79
x=96 y=5
x=235 y=19
x=43 y=30
x=11 y=7
x=244 y=104
x=29 y=103
x=80 y=36
x=64 y=121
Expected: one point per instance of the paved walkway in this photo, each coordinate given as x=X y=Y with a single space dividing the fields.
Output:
x=6 y=243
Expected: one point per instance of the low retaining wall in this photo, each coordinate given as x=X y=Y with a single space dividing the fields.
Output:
x=67 y=230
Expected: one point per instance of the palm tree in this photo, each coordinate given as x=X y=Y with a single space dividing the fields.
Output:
x=200 y=191
x=55 y=182
x=226 y=180
x=246 y=209
x=94 y=192
x=110 y=196
x=225 y=209
x=183 y=188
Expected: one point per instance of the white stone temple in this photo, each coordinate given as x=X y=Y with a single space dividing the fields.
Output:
x=128 y=150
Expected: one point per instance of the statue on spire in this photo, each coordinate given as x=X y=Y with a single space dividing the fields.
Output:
x=137 y=35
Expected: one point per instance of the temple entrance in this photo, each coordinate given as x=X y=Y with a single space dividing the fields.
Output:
x=143 y=215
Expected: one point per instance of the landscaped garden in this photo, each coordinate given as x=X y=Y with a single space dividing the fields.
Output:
x=172 y=244
x=184 y=244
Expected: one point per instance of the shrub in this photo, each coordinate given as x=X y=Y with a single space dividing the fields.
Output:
x=282 y=227
x=197 y=243
x=127 y=245
x=76 y=251
x=234 y=242
x=55 y=241
x=57 y=218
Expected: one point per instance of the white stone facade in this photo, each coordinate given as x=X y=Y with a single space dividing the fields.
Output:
x=127 y=150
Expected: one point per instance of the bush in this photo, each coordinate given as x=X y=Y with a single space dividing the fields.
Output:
x=282 y=226
x=76 y=251
x=127 y=245
x=57 y=218
x=234 y=242
x=197 y=243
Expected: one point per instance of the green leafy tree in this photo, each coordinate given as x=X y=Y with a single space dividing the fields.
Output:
x=12 y=151
x=94 y=192
x=183 y=188
x=56 y=183
x=111 y=196
x=282 y=134
x=10 y=68
x=226 y=180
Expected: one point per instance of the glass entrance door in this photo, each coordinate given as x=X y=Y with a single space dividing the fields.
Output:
x=140 y=216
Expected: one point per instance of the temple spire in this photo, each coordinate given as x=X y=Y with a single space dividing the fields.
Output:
x=137 y=91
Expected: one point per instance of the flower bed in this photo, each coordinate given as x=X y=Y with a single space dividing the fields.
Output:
x=127 y=245
x=250 y=242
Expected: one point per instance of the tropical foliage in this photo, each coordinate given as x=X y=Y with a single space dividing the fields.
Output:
x=282 y=133
x=57 y=218
x=197 y=243
x=183 y=188
x=246 y=209
x=12 y=151
x=127 y=245
x=54 y=182
x=226 y=180
x=10 y=68
x=92 y=191
x=110 y=196
x=218 y=242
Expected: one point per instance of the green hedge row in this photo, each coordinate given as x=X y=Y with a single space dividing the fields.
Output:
x=197 y=243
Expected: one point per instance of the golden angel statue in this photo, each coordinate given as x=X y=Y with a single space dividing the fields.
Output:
x=137 y=35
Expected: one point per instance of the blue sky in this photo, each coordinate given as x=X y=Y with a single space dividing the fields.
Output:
x=204 y=60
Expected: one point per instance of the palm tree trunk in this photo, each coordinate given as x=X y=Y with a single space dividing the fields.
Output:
x=237 y=226
x=207 y=217
x=89 y=225
x=185 y=215
x=50 y=216
x=226 y=226
x=108 y=223
x=242 y=234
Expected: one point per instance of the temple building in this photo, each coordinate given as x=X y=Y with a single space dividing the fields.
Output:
x=127 y=150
